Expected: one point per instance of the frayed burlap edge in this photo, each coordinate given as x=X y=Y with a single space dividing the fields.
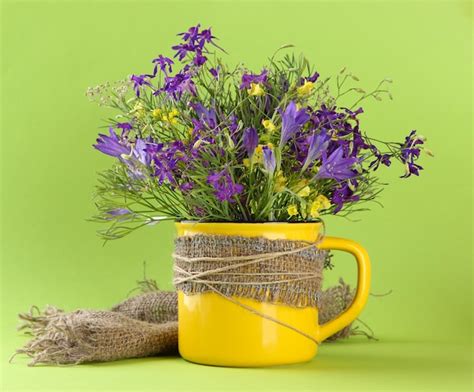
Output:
x=92 y=336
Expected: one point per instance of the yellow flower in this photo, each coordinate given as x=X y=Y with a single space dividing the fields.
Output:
x=320 y=203
x=156 y=113
x=304 y=192
x=171 y=116
x=305 y=89
x=268 y=125
x=314 y=209
x=246 y=162
x=292 y=210
x=280 y=181
x=323 y=201
x=256 y=90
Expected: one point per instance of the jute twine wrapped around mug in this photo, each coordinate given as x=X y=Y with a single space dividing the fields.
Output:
x=276 y=271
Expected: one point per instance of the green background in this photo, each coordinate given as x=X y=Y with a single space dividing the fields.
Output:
x=420 y=242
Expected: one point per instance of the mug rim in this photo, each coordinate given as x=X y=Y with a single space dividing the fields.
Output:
x=248 y=223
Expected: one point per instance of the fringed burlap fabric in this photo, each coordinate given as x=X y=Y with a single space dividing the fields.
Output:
x=287 y=272
x=94 y=336
x=140 y=326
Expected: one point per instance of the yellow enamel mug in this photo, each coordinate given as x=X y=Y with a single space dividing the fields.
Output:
x=216 y=331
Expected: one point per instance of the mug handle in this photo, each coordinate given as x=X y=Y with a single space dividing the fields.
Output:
x=363 y=285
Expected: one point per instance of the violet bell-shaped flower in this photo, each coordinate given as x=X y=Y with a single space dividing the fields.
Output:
x=318 y=144
x=207 y=116
x=336 y=166
x=112 y=145
x=250 y=140
x=269 y=161
x=292 y=121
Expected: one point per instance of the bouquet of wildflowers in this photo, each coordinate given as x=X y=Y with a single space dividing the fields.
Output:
x=197 y=140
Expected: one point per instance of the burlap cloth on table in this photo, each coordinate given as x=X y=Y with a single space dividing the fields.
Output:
x=287 y=272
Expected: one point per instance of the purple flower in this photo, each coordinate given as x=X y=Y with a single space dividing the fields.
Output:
x=206 y=36
x=176 y=85
x=326 y=117
x=384 y=159
x=199 y=211
x=164 y=168
x=125 y=127
x=412 y=168
x=337 y=167
x=250 y=140
x=117 y=214
x=292 y=121
x=313 y=77
x=358 y=143
x=164 y=63
x=139 y=81
x=182 y=50
x=251 y=78
x=194 y=42
x=192 y=34
x=207 y=116
x=153 y=148
x=317 y=145
x=165 y=159
x=199 y=59
x=186 y=186
x=269 y=161
x=112 y=145
x=233 y=123
x=344 y=194
x=410 y=153
x=224 y=188
x=140 y=152
x=215 y=72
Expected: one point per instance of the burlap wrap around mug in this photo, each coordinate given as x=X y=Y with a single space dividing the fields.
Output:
x=288 y=272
